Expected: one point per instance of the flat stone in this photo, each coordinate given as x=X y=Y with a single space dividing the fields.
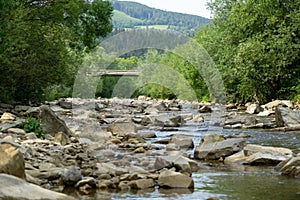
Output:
x=142 y=184
x=217 y=150
x=171 y=179
x=182 y=141
x=14 y=188
x=17 y=131
x=263 y=159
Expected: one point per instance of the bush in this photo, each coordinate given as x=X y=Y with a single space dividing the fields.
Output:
x=32 y=125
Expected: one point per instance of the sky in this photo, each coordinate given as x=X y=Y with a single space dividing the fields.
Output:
x=195 y=7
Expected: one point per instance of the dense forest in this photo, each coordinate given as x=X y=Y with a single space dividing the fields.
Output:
x=133 y=15
x=255 y=46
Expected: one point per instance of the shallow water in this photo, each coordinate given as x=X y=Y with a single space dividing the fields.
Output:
x=224 y=182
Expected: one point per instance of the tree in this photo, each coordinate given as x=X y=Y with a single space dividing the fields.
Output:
x=256 y=47
x=41 y=43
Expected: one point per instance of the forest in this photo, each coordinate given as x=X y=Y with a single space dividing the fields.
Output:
x=135 y=15
x=255 y=45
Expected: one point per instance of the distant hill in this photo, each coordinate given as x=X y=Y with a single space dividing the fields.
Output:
x=134 y=15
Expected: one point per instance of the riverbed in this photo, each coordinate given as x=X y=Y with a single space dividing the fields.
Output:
x=220 y=181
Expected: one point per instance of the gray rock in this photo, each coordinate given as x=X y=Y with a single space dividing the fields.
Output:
x=17 y=131
x=217 y=150
x=51 y=123
x=205 y=109
x=11 y=160
x=71 y=176
x=181 y=163
x=251 y=149
x=49 y=174
x=212 y=138
x=61 y=138
x=122 y=129
x=14 y=188
x=141 y=184
x=259 y=155
x=287 y=117
x=86 y=181
x=147 y=134
x=11 y=124
x=168 y=120
x=182 y=141
x=6 y=117
x=254 y=109
x=21 y=108
x=272 y=105
x=65 y=104
x=290 y=167
x=198 y=118
x=263 y=159
x=32 y=112
x=171 y=179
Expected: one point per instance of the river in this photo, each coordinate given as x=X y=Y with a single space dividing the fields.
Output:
x=220 y=181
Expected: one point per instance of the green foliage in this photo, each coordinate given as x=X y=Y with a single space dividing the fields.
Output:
x=170 y=76
x=131 y=14
x=255 y=45
x=41 y=43
x=31 y=125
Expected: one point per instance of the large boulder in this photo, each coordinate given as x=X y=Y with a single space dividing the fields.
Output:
x=217 y=150
x=290 y=167
x=51 y=123
x=287 y=117
x=11 y=160
x=14 y=188
x=171 y=179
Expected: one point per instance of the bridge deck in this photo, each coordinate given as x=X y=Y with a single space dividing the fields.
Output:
x=117 y=73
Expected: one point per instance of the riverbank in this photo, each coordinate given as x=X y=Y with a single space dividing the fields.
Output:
x=110 y=144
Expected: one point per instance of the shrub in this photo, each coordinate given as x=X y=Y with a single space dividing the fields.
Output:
x=32 y=125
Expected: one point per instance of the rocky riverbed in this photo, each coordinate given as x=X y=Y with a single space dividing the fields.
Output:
x=107 y=145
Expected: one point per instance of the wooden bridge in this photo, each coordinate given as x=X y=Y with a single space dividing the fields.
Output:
x=108 y=72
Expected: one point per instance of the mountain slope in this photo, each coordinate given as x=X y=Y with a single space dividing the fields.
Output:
x=151 y=16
